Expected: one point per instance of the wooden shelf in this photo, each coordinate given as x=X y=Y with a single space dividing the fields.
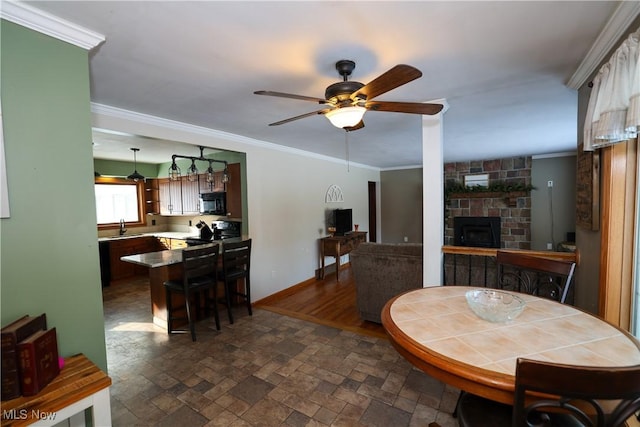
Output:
x=510 y=197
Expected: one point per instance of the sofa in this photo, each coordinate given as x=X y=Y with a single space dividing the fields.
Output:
x=382 y=271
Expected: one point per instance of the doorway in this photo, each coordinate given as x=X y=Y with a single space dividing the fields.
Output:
x=373 y=219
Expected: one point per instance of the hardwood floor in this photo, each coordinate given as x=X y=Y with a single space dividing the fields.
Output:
x=324 y=301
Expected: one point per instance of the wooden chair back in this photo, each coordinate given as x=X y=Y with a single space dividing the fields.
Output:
x=200 y=262
x=535 y=275
x=236 y=259
x=236 y=264
x=590 y=396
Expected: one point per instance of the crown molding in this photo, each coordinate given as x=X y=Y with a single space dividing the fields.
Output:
x=615 y=28
x=554 y=155
x=45 y=23
x=160 y=122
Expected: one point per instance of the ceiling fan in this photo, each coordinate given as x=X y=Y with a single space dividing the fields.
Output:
x=348 y=100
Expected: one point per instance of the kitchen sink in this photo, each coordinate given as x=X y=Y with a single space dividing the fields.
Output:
x=124 y=236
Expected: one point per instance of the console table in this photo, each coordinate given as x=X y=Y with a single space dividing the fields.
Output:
x=80 y=385
x=336 y=246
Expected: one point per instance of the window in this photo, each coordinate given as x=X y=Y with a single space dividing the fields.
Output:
x=118 y=199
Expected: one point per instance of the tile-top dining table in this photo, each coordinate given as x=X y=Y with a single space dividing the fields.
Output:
x=435 y=330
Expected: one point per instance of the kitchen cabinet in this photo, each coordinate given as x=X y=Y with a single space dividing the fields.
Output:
x=170 y=196
x=179 y=197
x=169 y=243
x=211 y=187
x=152 y=196
x=129 y=246
x=234 y=191
x=182 y=197
x=166 y=204
x=190 y=196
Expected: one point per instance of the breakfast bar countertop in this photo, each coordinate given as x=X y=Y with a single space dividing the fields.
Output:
x=155 y=259
x=181 y=235
x=166 y=265
x=168 y=257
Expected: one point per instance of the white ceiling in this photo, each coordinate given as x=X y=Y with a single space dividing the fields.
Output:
x=501 y=66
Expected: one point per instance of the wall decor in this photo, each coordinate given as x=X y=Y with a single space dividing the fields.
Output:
x=588 y=189
x=334 y=194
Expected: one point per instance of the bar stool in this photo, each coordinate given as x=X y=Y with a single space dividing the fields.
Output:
x=200 y=265
x=236 y=264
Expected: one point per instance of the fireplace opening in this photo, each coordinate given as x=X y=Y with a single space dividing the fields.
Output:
x=476 y=231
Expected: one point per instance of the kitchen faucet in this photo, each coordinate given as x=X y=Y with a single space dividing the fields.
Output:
x=122 y=229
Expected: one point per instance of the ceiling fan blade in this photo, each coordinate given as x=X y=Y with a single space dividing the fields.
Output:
x=395 y=77
x=360 y=125
x=302 y=116
x=404 y=107
x=290 y=95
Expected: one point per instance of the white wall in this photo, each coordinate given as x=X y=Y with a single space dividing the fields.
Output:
x=553 y=209
x=286 y=195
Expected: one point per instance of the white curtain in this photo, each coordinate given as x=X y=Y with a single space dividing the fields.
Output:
x=613 y=113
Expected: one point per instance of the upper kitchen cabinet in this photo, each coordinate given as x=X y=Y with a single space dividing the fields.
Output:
x=170 y=199
x=234 y=191
x=190 y=196
x=182 y=197
x=178 y=197
x=211 y=187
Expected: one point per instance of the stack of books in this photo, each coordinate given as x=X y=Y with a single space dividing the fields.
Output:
x=29 y=356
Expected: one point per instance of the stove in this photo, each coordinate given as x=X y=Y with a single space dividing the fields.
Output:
x=222 y=230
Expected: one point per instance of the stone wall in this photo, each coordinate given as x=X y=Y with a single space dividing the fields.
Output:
x=514 y=208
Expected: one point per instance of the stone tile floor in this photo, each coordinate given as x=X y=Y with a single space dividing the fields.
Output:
x=264 y=370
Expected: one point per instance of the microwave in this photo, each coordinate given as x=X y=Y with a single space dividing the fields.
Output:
x=213 y=203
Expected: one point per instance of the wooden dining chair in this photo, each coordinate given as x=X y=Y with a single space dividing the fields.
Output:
x=236 y=265
x=199 y=278
x=550 y=394
x=544 y=277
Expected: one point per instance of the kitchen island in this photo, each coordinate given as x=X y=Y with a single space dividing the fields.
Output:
x=163 y=266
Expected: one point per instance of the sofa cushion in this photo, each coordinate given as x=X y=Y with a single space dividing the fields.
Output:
x=382 y=271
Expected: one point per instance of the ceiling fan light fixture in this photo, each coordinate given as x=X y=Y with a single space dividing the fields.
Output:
x=345 y=117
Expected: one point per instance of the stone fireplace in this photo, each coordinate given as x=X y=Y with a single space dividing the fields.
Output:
x=477 y=231
x=512 y=207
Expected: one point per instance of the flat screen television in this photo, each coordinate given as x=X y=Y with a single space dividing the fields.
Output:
x=343 y=221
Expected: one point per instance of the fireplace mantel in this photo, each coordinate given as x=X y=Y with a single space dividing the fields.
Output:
x=510 y=197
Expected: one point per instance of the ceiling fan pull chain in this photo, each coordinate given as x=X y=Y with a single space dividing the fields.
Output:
x=346 y=144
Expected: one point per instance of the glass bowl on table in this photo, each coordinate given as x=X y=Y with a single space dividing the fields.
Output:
x=494 y=305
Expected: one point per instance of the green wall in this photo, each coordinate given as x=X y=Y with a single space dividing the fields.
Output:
x=49 y=248
x=123 y=169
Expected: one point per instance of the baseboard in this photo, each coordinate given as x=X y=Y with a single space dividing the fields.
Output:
x=278 y=296
x=330 y=269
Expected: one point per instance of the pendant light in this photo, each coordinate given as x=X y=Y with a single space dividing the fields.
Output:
x=174 y=170
x=192 y=172
x=135 y=175
x=210 y=174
